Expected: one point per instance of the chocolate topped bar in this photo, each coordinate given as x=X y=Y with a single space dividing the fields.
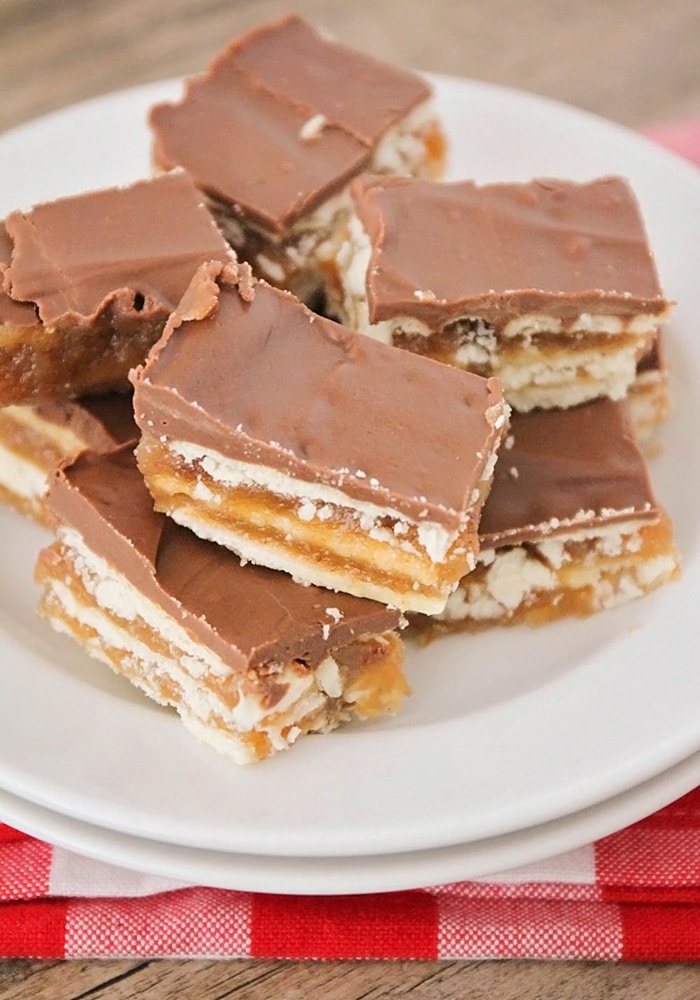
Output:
x=249 y=658
x=553 y=246
x=343 y=436
x=258 y=95
x=102 y=271
x=551 y=285
x=251 y=616
x=275 y=128
x=266 y=380
x=571 y=525
x=137 y=247
x=566 y=469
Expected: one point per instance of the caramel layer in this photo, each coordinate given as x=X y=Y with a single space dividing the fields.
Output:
x=382 y=559
x=101 y=271
x=259 y=391
x=362 y=680
x=47 y=364
x=571 y=525
x=520 y=585
x=248 y=616
x=541 y=370
x=256 y=377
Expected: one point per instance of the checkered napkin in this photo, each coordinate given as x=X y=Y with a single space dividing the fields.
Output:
x=634 y=895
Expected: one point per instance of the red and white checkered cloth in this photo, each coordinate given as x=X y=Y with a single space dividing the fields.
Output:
x=634 y=895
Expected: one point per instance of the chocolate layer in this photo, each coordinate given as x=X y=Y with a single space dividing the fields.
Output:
x=12 y=313
x=102 y=422
x=263 y=379
x=133 y=250
x=559 y=468
x=498 y=251
x=251 y=617
x=240 y=128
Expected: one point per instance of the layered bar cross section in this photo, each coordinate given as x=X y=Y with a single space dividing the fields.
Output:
x=250 y=660
x=549 y=285
x=571 y=525
x=315 y=450
x=272 y=132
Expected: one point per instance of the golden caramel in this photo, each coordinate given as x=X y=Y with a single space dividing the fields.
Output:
x=370 y=677
x=338 y=543
x=43 y=364
x=587 y=581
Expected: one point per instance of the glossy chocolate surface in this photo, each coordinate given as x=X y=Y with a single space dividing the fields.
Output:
x=250 y=616
x=556 y=468
x=240 y=127
x=131 y=249
x=497 y=251
x=270 y=382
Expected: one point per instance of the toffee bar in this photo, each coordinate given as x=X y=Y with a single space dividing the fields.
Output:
x=275 y=128
x=250 y=660
x=92 y=279
x=549 y=285
x=34 y=440
x=309 y=448
x=571 y=525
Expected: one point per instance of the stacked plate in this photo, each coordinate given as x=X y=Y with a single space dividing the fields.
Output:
x=517 y=743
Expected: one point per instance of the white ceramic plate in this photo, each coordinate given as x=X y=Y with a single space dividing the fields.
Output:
x=525 y=855
x=506 y=730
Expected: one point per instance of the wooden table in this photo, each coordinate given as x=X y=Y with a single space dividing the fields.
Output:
x=633 y=61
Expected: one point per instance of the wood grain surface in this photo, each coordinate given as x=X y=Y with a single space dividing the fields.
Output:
x=633 y=61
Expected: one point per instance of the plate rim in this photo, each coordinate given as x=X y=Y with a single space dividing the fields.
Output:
x=500 y=858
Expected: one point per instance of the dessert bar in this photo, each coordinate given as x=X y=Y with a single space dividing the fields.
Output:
x=571 y=525
x=315 y=450
x=550 y=285
x=249 y=659
x=275 y=128
x=35 y=439
x=93 y=278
